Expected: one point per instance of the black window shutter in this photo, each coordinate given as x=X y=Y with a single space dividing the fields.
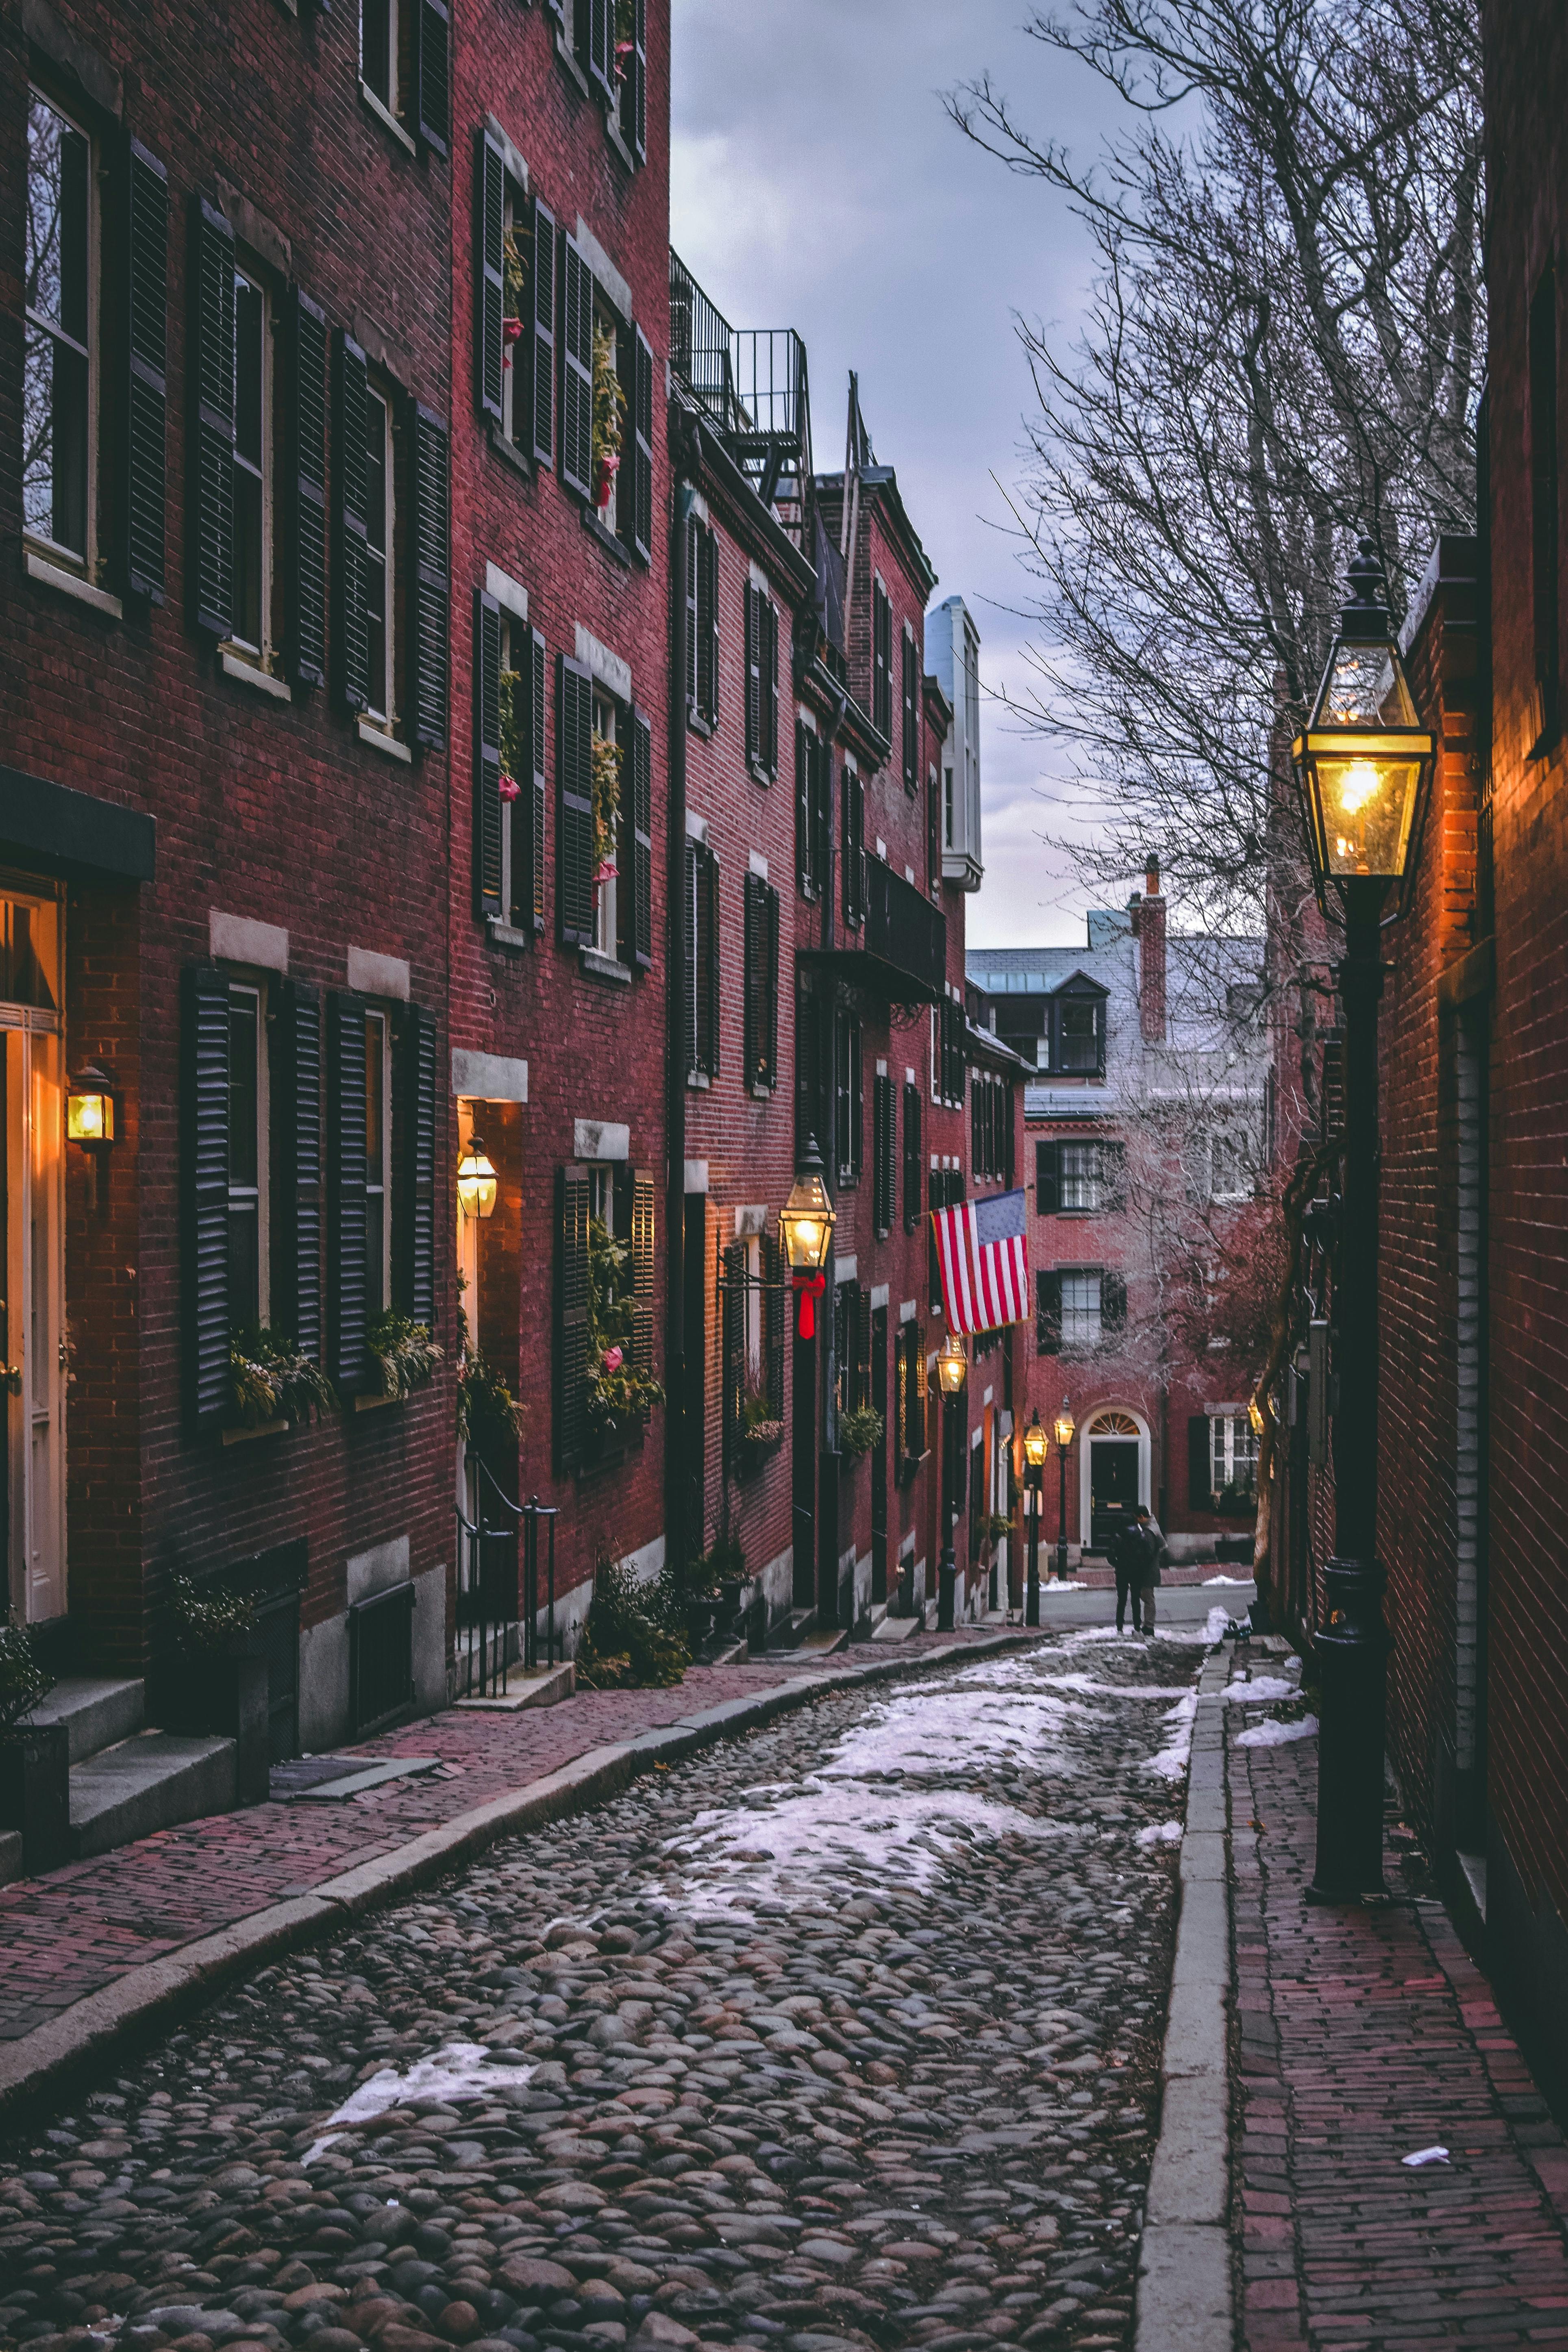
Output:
x=296 y=1283
x=1048 y=1314
x=642 y=445
x=644 y=1234
x=708 y=878
x=211 y=590
x=573 y=802
x=487 y=760
x=345 y=1189
x=753 y=676
x=572 y=1317
x=760 y=979
x=936 y=1195
x=147 y=355
x=528 y=895
x=541 y=363
x=353 y=636
x=710 y=560
x=430 y=598
x=593 y=41
x=636 y=81
x=769 y=686
x=856 y=1097
x=577 y=371
x=641 y=765
x=416 y=1218
x=304 y=491
x=1048 y=1177
x=912 y=1158
x=206 y=1195
x=890 y=1154
x=1112 y=1302
x=732 y=1340
x=1113 y=1174
x=770 y=1039
x=693 y=563
x=1009 y=1127
x=882 y=647
x=1200 y=1461
x=776 y=1321
x=490 y=275
x=976 y=1129
x=805 y=877
x=434 y=37
x=910 y=750
x=862 y=1381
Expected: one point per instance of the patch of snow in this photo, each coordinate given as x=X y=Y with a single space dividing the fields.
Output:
x=1274 y=1734
x=1263 y=1686
x=1086 y=1683
x=1065 y=1585
x=1172 y=1760
x=1425 y=2155
x=1084 y=1634
x=1227 y=1579
x=944 y=1731
x=457 y=2070
x=1160 y=1834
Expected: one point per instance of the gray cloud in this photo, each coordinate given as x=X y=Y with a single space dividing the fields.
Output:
x=816 y=184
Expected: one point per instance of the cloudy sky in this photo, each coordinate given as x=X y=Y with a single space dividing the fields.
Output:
x=818 y=184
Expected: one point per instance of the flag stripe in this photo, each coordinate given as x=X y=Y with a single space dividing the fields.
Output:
x=984 y=1281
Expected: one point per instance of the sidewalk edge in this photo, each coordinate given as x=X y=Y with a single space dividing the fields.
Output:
x=152 y=1994
x=1185 y=2301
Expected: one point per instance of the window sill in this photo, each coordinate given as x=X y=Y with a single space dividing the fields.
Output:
x=249 y=674
x=613 y=133
x=260 y=1428
x=607 y=538
x=502 y=935
x=699 y=723
x=507 y=451
x=605 y=967
x=377 y=736
x=375 y=1403
x=71 y=584
x=574 y=71
x=388 y=121
x=761 y=1094
x=758 y=775
x=699 y=1080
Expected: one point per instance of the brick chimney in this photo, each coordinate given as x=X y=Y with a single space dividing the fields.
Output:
x=1151 y=958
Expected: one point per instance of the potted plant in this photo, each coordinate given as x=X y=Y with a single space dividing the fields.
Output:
x=860 y=1430
x=489 y=1416
x=761 y=1429
x=272 y=1379
x=213 y=1679
x=34 y=1758
x=712 y=1587
x=514 y=278
x=404 y=1353
x=994 y=1525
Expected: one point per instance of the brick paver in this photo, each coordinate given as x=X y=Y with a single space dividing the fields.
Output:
x=79 y=1927
x=1365 y=2034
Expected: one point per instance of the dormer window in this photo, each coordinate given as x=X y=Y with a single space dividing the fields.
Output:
x=1073 y=1030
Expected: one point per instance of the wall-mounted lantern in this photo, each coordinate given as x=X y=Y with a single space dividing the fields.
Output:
x=476 y=1180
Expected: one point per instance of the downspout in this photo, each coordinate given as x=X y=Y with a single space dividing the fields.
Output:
x=686 y=452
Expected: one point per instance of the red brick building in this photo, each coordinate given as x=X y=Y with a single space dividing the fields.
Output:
x=225 y=400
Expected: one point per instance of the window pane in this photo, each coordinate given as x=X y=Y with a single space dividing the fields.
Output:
x=1080 y=1176
x=242 y=1070
x=249 y=320
x=1077 y=1038
x=244 y=1263
x=377 y=27
x=375 y=537
x=1081 y=1310
x=58 y=161
x=374 y=1253
x=53 y=456
x=374 y=1100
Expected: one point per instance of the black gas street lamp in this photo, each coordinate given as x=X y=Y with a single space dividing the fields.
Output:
x=951 y=1372
x=1361 y=763
x=1035 y=1446
x=1065 y=1429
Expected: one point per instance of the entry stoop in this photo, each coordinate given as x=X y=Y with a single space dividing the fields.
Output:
x=95 y=1711
x=148 y=1782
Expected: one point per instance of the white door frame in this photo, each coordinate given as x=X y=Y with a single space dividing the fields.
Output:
x=35 y=1277
x=1144 y=1443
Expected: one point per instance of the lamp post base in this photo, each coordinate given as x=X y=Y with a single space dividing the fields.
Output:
x=947 y=1577
x=1352 y=1659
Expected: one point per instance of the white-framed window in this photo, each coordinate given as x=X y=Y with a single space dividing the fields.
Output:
x=1235 y=1456
x=608 y=323
x=379 y=33
x=377 y=1164
x=248 y=1155
x=252 y=626
x=1080 y=1309
x=380 y=540
x=59 y=370
x=607 y=729
x=949 y=812
x=1079 y=1182
x=1230 y=1167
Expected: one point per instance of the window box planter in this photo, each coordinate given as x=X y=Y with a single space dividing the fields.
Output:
x=35 y=1793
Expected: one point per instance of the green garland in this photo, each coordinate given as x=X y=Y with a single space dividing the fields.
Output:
x=617 y=1389
x=606 y=778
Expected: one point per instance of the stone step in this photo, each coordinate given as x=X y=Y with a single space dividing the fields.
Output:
x=823 y=1640
x=789 y=1631
x=96 y=1709
x=896 y=1629
x=145 y=1783
x=525 y=1687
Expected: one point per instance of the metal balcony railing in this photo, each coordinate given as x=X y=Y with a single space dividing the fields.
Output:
x=752 y=383
x=903 y=928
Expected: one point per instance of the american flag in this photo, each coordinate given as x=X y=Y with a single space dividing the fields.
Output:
x=983 y=1255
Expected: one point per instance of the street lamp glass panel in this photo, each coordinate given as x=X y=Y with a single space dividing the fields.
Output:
x=806 y=1219
x=952 y=1365
x=1364 y=795
x=476 y=1181
x=89 y=1109
x=1065 y=1426
x=1035 y=1443
x=1363 y=754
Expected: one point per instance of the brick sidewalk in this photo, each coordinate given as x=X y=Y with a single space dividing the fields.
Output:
x=1365 y=2034
x=82 y=1926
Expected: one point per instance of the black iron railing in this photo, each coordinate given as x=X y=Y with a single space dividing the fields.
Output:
x=753 y=384
x=497 y=1590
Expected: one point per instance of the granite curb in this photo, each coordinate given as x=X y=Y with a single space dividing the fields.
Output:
x=42 y=2063
x=1185 y=2290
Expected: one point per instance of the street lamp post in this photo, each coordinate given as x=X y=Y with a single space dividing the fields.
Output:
x=1035 y=1443
x=951 y=1372
x=1065 y=1427
x=1361 y=764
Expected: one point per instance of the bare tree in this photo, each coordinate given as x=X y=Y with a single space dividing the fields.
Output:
x=1282 y=349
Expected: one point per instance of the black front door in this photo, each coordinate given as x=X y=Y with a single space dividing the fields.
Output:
x=879 y=1456
x=1112 y=1488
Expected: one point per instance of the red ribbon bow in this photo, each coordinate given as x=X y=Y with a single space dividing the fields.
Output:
x=807 y=1287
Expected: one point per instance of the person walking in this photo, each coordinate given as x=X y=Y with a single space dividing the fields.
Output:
x=1129 y=1557
x=1151 y=1555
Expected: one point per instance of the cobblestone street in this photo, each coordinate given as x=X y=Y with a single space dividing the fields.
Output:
x=844 y=2032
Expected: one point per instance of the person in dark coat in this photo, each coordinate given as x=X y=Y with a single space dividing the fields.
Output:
x=1129 y=1554
x=1152 y=1554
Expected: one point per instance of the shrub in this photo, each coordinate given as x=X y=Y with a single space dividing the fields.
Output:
x=272 y=1381
x=206 y=1620
x=23 y=1681
x=488 y=1415
x=858 y=1430
x=405 y=1351
x=633 y=1638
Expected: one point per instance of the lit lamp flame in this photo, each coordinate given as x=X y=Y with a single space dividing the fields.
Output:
x=1362 y=784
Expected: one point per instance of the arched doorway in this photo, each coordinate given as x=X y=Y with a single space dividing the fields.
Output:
x=1114 y=1477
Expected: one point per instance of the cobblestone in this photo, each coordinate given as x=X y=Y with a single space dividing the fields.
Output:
x=844 y=2034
